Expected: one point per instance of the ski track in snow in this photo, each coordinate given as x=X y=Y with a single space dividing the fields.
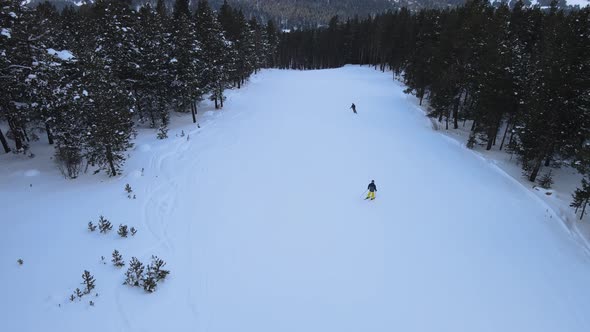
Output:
x=260 y=218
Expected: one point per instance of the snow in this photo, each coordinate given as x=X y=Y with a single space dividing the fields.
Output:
x=566 y=180
x=260 y=217
x=64 y=55
x=5 y=32
x=581 y=3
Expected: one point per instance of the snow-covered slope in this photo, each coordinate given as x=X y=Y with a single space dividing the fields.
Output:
x=261 y=218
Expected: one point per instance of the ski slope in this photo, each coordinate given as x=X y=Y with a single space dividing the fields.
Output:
x=261 y=219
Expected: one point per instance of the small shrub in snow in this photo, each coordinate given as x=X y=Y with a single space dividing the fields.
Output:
x=154 y=274
x=88 y=282
x=134 y=274
x=78 y=292
x=128 y=190
x=72 y=298
x=162 y=133
x=20 y=261
x=182 y=133
x=133 y=231
x=102 y=260
x=546 y=180
x=91 y=226
x=91 y=303
x=104 y=225
x=471 y=141
x=117 y=259
x=581 y=198
x=149 y=282
x=122 y=231
x=156 y=268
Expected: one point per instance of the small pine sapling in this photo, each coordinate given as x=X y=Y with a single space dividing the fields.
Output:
x=102 y=260
x=72 y=298
x=162 y=133
x=546 y=180
x=133 y=231
x=128 y=188
x=117 y=259
x=134 y=274
x=156 y=267
x=122 y=231
x=182 y=133
x=471 y=141
x=91 y=303
x=149 y=281
x=20 y=261
x=88 y=282
x=91 y=226
x=104 y=225
x=78 y=292
x=581 y=198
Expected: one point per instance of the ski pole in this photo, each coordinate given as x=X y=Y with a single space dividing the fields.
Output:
x=364 y=193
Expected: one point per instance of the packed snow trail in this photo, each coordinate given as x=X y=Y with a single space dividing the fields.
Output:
x=261 y=218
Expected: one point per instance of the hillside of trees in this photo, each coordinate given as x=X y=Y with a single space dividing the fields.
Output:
x=87 y=77
x=289 y=14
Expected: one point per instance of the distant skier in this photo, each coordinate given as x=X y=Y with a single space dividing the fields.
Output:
x=353 y=108
x=372 y=189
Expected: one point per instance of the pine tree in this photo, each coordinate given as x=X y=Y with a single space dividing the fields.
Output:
x=117 y=259
x=134 y=274
x=122 y=231
x=104 y=225
x=88 y=282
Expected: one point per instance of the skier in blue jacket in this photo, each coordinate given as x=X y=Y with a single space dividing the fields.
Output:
x=372 y=189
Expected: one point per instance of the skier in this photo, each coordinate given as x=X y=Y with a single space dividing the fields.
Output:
x=353 y=108
x=372 y=189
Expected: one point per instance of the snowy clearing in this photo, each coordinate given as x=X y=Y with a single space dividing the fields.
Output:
x=261 y=219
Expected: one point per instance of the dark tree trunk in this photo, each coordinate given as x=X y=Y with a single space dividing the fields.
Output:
x=193 y=112
x=440 y=116
x=216 y=105
x=447 y=122
x=456 y=113
x=4 y=142
x=221 y=97
x=584 y=208
x=111 y=162
x=49 y=134
x=421 y=95
x=16 y=133
x=490 y=142
x=504 y=136
x=473 y=126
x=548 y=160
x=536 y=169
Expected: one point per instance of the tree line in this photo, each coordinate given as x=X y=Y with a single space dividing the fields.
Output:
x=86 y=77
x=520 y=75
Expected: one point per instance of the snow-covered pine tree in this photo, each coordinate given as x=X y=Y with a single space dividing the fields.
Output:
x=153 y=86
x=117 y=259
x=88 y=282
x=186 y=62
x=134 y=274
x=123 y=231
x=104 y=225
x=214 y=53
x=20 y=51
x=156 y=267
